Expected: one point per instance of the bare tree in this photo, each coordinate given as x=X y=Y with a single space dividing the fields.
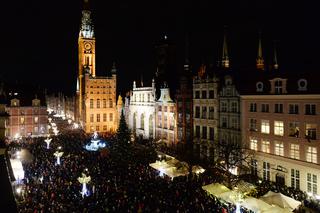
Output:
x=233 y=157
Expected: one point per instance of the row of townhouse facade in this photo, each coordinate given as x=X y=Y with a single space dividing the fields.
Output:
x=275 y=116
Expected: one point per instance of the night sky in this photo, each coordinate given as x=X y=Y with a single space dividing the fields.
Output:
x=40 y=37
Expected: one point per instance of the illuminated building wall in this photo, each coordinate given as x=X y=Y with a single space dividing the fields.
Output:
x=96 y=95
x=281 y=123
x=26 y=121
x=142 y=111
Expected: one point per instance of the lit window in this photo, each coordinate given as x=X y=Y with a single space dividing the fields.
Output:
x=36 y=120
x=254 y=144
x=278 y=148
x=266 y=171
x=294 y=151
x=312 y=183
x=295 y=178
x=265 y=126
x=311 y=155
x=21 y=120
x=265 y=146
x=278 y=128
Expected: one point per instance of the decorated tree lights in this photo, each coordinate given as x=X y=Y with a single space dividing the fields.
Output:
x=58 y=155
x=84 y=179
x=48 y=141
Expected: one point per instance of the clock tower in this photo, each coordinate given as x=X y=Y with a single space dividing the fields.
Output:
x=86 y=53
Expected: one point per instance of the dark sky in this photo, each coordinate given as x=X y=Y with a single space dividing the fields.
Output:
x=40 y=37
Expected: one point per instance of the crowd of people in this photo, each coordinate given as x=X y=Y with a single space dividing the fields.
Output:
x=121 y=181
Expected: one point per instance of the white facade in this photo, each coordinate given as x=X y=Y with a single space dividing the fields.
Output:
x=142 y=111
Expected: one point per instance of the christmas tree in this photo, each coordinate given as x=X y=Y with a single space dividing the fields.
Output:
x=123 y=133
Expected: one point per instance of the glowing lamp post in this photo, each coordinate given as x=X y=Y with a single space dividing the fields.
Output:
x=48 y=141
x=58 y=155
x=84 y=180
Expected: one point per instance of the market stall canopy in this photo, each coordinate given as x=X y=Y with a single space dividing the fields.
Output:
x=255 y=204
x=280 y=200
x=215 y=189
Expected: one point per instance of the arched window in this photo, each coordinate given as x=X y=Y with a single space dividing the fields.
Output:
x=98 y=103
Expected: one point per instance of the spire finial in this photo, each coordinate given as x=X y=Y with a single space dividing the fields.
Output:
x=275 y=57
x=225 y=55
x=114 y=69
x=260 y=61
x=141 y=80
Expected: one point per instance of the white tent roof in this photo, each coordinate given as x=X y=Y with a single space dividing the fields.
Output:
x=280 y=200
x=255 y=204
x=215 y=189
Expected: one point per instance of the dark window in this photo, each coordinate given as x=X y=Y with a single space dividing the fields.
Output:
x=204 y=94
x=204 y=132
x=293 y=109
x=278 y=108
x=253 y=107
x=264 y=107
x=211 y=94
x=197 y=112
x=197 y=95
x=211 y=133
x=197 y=131
x=310 y=109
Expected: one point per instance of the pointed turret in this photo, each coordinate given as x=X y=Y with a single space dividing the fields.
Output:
x=186 y=65
x=114 y=69
x=86 y=28
x=275 y=57
x=225 y=63
x=260 y=61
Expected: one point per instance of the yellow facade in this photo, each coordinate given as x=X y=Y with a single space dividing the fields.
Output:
x=96 y=95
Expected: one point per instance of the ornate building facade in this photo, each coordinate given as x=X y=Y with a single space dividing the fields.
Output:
x=142 y=111
x=205 y=114
x=165 y=118
x=96 y=95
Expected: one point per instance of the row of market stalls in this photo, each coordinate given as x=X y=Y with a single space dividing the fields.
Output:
x=271 y=202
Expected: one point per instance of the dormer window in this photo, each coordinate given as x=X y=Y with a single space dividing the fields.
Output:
x=259 y=86
x=302 y=85
x=278 y=86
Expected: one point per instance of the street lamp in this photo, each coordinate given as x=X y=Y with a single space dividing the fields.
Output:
x=48 y=141
x=58 y=154
x=84 y=179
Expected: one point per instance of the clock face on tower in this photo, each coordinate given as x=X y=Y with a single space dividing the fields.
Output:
x=87 y=46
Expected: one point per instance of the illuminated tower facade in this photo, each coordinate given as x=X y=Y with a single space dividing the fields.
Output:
x=96 y=95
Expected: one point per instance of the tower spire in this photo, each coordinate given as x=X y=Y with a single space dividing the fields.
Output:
x=114 y=69
x=86 y=28
x=225 y=56
x=260 y=61
x=275 y=57
x=186 y=60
